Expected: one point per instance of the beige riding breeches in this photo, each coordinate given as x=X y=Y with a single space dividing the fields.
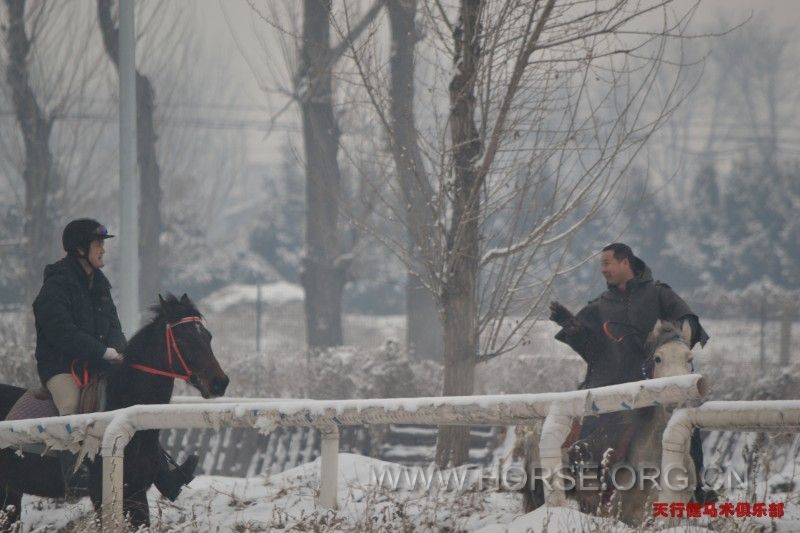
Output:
x=65 y=392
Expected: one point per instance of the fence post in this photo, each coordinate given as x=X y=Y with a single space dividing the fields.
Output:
x=555 y=430
x=762 y=355
x=258 y=318
x=329 y=466
x=113 y=486
x=787 y=317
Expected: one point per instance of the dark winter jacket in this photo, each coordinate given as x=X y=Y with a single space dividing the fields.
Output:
x=632 y=313
x=75 y=319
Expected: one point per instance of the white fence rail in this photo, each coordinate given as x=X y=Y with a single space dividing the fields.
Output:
x=81 y=433
x=776 y=415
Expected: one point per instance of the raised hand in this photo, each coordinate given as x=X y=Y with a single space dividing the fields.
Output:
x=560 y=314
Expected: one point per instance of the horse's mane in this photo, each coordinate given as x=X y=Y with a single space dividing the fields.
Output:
x=170 y=309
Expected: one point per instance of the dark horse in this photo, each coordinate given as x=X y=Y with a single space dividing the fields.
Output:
x=154 y=357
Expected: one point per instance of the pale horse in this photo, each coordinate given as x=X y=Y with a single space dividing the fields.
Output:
x=669 y=354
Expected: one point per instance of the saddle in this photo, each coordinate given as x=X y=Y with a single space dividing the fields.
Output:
x=38 y=403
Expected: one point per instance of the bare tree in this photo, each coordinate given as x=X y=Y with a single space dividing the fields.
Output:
x=45 y=80
x=424 y=333
x=189 y=155
x=39 y=173
x=755 y=73
x=544 y=108
x=323 y=273
x=326 y=261
x=150 y=220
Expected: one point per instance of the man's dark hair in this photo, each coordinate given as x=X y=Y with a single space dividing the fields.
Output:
x=621 y=251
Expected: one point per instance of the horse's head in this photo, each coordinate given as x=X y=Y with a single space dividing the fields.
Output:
x=668 y=349
x=188 y=346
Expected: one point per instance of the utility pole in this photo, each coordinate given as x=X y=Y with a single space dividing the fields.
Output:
x=762 y=351
x=128 y=173
x=258 y=318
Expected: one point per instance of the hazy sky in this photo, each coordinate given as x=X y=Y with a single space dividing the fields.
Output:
x=246 y=24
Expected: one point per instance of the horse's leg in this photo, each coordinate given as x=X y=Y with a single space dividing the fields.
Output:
x=135 y=507
x=31 y=474
x=141 y=463
x=134 y=500
x=644 y=456
x=96 y=483
x=11 y=509
x=533 y=491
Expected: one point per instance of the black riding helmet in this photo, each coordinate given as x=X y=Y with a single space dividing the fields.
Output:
x=81 y=232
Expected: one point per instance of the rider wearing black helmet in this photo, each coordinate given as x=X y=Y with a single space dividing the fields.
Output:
x=76 y=320
x=75 y=315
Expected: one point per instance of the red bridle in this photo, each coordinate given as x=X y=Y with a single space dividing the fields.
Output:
x=172 y=347
x=82 y=378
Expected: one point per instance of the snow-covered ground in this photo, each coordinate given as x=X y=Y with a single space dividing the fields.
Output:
x=282 y=368
x=287 y=501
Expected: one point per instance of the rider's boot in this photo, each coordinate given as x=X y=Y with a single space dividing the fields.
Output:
x=171 y=477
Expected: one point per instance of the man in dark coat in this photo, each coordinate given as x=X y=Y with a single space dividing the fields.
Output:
x=609 y=332
x=76 y=320
x=629 y=309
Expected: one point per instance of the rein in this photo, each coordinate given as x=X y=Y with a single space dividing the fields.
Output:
x=81 y=375
x=648 y=363
x=607 y=332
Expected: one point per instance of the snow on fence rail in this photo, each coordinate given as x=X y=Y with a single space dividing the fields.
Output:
x=80 y=433
x=773 y=415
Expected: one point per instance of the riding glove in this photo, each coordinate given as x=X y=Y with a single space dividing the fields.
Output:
x=113 y=356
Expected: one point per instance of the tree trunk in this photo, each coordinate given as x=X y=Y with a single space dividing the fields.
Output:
x=452 y=446
x=39 y=173
x=323 y=275
x=460 y=300
x=424 y=333
x=150 y=222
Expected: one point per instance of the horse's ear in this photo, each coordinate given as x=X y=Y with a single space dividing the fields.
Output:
x=651 y=338
x=686 y=332
x=184 y=299
x=161 y=300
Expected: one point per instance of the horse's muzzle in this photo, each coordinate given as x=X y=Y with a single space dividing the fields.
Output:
x=218 y=385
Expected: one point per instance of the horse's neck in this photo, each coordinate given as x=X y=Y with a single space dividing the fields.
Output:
x=646 y=445
x=149 y=389
x=132 y=386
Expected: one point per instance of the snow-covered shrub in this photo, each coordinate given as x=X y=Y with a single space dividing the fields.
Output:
x=337 y=373
x=17 y=363
x=720 y=302
x=195 y=266
x=529 y=374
